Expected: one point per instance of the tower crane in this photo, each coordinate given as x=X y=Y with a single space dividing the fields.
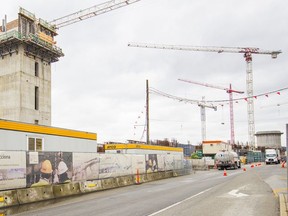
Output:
x=247 y=51
x=90 y=12
x=229 y=91
x=202 y=104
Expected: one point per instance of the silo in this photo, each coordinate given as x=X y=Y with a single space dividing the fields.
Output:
x=269 y=139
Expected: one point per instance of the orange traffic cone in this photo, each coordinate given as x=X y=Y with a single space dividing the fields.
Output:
x=137 y=177
x=225 y=173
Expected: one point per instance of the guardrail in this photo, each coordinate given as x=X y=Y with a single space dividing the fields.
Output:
x=10 y=35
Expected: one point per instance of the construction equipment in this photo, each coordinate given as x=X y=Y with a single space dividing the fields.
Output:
x=247 y=51
x=202 y=104
x=229 y=91
x=90 y=12
x=32 y=39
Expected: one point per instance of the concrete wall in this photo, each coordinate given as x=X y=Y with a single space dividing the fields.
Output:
x=17 y=141
x=269 y=139
x=17 y=88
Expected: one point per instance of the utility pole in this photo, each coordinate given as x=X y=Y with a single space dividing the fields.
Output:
x=147 y=114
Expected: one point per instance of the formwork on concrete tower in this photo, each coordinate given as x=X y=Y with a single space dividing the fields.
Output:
x=27 y=49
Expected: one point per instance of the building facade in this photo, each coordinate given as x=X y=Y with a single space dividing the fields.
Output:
x=18 y=136
x=27 y=49
x=269 y=139
x=211 y=147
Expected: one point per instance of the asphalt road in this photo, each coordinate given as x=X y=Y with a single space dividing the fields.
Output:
x=204 y=193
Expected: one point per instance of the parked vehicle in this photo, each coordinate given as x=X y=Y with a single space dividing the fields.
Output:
x=227 y=159
x=272 y=156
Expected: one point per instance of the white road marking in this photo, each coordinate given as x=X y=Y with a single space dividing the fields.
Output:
x=236 y=194
x=178 y=203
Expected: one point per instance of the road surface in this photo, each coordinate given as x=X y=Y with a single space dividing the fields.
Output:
x=248 y=193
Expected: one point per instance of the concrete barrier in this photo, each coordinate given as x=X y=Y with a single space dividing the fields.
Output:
x=49 y=192
x=168 y=174
x=8 y=198
x=109 y=183
x=90 y=186
x=155 y=176
x=143 y=178
x=199 y=164
x=35 y=194
x=125 y=180
x=149 y=177
x=68 y=189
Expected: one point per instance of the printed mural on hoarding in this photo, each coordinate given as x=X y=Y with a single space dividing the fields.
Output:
x=138 y=163
x=31 y=169
x=161 y=162
x=169 y=162
x=12 y=170
x=43 y=168
x=114 y=165
x=151 y=163
x=85 y=166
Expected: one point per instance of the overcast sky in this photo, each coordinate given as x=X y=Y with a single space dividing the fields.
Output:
x=99 y=85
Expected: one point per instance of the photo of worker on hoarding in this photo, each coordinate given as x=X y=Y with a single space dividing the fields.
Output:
x=44 y=168
x=151 y=163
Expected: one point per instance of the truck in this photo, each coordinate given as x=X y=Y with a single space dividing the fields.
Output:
x=272 y=156
x=227 y=159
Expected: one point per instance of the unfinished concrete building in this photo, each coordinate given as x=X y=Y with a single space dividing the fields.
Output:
x=27 y=49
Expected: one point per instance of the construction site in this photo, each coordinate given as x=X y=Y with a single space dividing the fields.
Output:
x=28 y=49
x=29 y=42
x=38 y=147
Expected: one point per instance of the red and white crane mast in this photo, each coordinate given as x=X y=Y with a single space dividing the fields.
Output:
x=229 y=91
x=247 y=51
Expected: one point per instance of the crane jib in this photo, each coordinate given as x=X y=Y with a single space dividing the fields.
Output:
x=251 y=50
x=90 y=12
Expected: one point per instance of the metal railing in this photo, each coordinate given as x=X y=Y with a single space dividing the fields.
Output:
x=10 y=35
x=27 y=13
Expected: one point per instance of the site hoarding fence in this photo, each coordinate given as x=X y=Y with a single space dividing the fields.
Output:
x=21 y=169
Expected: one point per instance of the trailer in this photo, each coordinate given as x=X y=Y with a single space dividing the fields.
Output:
x=227 y=159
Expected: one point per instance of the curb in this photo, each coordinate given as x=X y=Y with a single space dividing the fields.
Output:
x=283 y=204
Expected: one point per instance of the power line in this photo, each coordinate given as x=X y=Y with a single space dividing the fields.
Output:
x=244 y=98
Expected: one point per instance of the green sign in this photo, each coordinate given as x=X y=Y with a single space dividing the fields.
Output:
x=199 y=153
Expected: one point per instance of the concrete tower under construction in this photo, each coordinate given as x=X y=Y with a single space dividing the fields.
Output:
x=27 y=49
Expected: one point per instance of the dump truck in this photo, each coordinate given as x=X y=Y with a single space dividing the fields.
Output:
x=227 y=160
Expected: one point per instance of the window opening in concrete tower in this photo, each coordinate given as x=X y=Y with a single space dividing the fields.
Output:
x=36 y=98
x=36 y=69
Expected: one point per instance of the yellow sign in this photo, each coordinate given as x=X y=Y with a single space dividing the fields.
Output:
x=141 y=146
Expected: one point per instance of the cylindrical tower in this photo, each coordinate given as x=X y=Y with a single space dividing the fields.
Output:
x=269 y=139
